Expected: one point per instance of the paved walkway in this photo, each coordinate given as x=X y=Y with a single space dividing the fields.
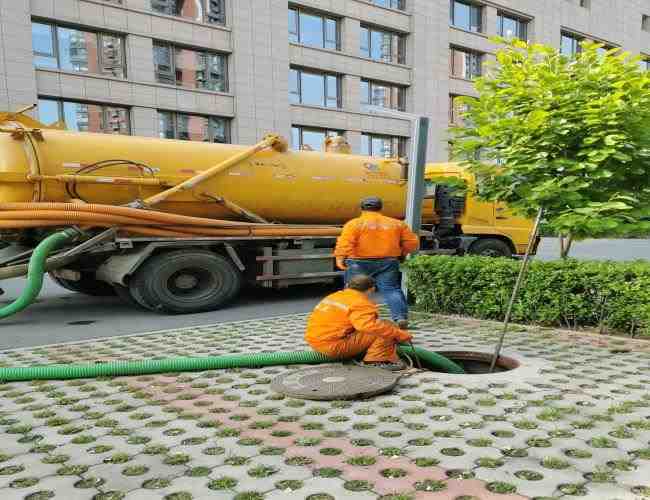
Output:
x=574 y=421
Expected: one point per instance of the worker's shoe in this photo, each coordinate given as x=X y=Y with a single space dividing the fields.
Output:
x=393 y=366
x=403 y=324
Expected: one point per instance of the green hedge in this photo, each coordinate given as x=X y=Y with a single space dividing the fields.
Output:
x=567 y=293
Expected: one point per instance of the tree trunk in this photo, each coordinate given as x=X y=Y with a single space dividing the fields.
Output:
x=565 y=245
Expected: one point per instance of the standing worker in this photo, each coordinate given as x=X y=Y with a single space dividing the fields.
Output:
x=373 y=245
x=346 y=324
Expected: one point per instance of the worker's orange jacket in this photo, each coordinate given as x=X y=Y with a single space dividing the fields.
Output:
x=375 y=236
x=342 y=313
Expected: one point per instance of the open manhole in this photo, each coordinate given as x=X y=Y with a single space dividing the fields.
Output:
x=335 y=382
x=476 y=363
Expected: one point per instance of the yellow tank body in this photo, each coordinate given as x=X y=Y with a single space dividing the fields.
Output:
x=289 y=187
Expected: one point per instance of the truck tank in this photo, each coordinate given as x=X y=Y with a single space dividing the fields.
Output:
x=290 y=187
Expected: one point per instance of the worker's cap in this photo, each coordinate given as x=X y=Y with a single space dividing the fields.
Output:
x=361 y=283
x=372 y=203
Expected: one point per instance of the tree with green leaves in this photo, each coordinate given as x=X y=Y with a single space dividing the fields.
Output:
x=569 y=135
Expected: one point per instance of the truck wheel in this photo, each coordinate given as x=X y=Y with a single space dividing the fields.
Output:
x=186 y=281
x=490 y=247
x=87 y=285
x=125 y=296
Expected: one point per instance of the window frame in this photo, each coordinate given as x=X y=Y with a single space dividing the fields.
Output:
x=471 y=5
x=324 y=18
x=54 y=34
x=60 y=103
x=175 y=115
x=397 y=94
x=327 y=131
x=574 y=36
x=324 y=75
x=398 y=144
x=469 y=53
x=397 y=44
x=394 y=4
x=171 y=47
x=222 y=19
x=453 y=111
x=522 y=24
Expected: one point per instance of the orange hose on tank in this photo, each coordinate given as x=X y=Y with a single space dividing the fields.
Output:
x=71 y=216
x=164 y=217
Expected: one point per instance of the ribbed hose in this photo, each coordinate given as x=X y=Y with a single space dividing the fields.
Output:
x=175 y=365
x=36 y=271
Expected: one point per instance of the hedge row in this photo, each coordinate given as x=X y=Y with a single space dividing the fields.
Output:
x=565 y=294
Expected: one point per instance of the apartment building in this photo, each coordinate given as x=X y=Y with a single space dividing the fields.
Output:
x=234 y=70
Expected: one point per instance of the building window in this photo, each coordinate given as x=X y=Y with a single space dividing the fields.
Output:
x=645 y=64
x=77 y=50
x=645 y=22
x=315 y=30
x=511 y=27
x=193 y=127
x=314 y=89
x=385 y=146
x=465 y=63
x=202 y=11
x=570 y=44
x=391 y=4
x=190 y=68
x=466 y=16
x=456 y=110
x=382 y=45
x=310 y=139
x=585 y=3
x=602 y=50
x=381 y=94
x=85 y=117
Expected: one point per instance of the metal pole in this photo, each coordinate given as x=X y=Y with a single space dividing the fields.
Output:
x=515 y=291
x=415 y=188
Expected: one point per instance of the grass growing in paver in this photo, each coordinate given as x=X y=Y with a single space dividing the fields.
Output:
x=327 y=472
x=249 y=495
x=393 y=472
x=622 y=465
x=577 y=453
x=179 y=495
x=501 y=487
x=289 y=484
x=222 y=483
x=358 y=485
x=262 y=471
x=573 y=489
x=430 y=485
x=554 y=463
x=601 y=442
x=135 y=470
x=362 y=460
x=488 y=462
x=529 y=475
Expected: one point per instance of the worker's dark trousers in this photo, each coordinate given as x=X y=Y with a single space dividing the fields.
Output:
x=388 y=277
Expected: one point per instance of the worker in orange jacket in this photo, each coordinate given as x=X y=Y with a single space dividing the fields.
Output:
x=373 y=245
x=345 y=324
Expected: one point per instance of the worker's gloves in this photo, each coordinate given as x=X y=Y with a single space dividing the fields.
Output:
x=340 y=263
x=404 y=336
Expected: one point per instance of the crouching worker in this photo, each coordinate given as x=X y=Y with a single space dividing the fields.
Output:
x=346 y=324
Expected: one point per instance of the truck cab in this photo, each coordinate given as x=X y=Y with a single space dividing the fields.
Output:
x=459 y=221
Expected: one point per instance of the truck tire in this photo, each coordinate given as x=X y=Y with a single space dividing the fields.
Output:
x=125 y=296
x=186 y=282
x=87 y=285
x=490 y=247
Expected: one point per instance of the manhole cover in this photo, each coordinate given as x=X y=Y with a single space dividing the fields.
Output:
x=335 y=382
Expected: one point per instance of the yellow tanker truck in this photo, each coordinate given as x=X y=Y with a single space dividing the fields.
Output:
x=180 y=227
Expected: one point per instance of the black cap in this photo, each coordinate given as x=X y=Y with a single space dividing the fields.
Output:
x=372 y=203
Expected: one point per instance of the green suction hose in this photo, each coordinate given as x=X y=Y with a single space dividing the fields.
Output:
x=174 y=365
x=36 y=271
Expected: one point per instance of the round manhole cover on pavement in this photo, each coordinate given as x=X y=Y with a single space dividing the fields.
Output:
x=335 y=382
